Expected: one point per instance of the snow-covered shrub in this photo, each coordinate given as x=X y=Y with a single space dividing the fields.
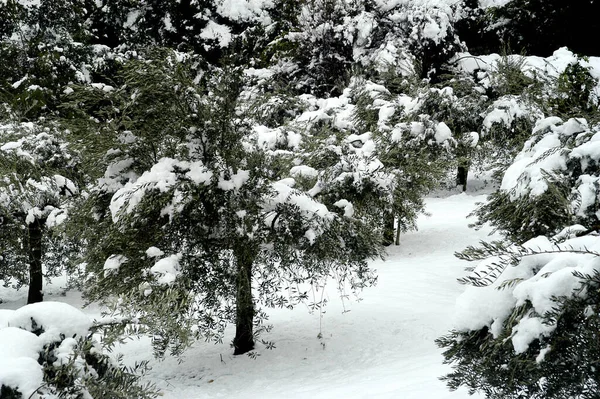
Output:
x=507 y=77
x=528 y=327
x=506 y=126
x=552 y=182
x=47 y=351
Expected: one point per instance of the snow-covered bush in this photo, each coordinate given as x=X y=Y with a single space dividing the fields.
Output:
x=528 y=327
x=551 y=184
x=576 y=92
x=47 y=351
x=506 y=126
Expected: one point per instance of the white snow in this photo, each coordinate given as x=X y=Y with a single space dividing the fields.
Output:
x=245 y=10
x=55 y=318
x=20 y=347
x=382 y=348
x=113 y=263
x=5 y=315
x=442 y=133
x=22 y=373
x=347 y=206
x=235 y=182
x=166 y=270
x=22 y=344
x=220 y=33
x=154 y=252
x=162 y=176
x=546 y=275
x=304 y=170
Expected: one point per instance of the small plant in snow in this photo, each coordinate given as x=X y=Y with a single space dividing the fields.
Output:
x=48 y=351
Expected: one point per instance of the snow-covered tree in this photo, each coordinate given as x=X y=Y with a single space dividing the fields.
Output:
x=528 y=327
x=196 y=224
x=413 y=149
x=532 y=313
x=39 y=174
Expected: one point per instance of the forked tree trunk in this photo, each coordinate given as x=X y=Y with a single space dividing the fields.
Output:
x=35 y=261
x=244 y=335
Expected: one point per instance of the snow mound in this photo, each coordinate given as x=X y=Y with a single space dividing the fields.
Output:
x=53 y=318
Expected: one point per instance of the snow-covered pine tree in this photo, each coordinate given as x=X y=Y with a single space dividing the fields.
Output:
x=196 y=224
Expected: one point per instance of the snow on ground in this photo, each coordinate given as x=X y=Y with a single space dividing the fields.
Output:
x=382 y=348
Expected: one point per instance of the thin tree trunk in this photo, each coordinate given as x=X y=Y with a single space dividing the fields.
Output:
x=388 y=228
x=461 y=176
x=398 y=233
x=35 y=262
x=244 y=336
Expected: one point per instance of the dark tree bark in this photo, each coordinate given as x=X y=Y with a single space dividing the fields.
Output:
x=461 y=176
x=244 y=335
x=388 y=228
x=35 y=261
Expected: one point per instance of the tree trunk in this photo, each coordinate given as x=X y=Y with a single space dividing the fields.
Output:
x=244 y=336
x=388 y=228
x=461 y=176
x=35 y=262
x=398 y=233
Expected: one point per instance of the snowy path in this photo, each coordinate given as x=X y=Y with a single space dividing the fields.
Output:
x=382 y=348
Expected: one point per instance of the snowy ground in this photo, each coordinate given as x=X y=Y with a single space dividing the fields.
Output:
x=382 y=348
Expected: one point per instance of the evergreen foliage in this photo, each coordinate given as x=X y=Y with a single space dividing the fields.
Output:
x=509 y=357
x=40 y=175
x=230 y=154
x=218 y=211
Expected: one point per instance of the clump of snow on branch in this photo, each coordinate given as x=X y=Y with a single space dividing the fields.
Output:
x=545 y=270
